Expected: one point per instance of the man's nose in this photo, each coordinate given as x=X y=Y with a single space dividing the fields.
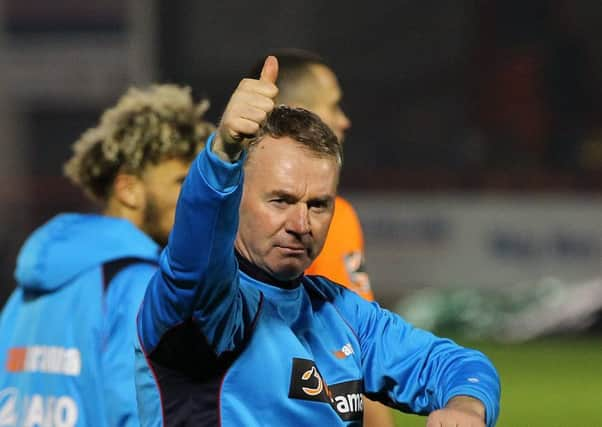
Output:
x=298 y=221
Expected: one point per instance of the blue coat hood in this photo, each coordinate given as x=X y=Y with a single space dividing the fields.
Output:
x=71 y=243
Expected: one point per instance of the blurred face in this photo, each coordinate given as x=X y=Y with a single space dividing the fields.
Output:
x=162 y=183
x=286 y=208
x=325 y=100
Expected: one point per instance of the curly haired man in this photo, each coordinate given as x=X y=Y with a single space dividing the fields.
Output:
x=66 y=354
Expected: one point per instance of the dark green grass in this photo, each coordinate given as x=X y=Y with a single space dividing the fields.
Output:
x=549 y=383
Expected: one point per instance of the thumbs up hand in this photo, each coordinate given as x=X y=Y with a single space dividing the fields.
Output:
x=247 y=109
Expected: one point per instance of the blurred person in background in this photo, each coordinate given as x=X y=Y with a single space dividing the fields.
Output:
x=67 y=331
x=306 y=81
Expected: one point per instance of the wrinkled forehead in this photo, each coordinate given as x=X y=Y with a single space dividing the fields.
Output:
x=281 y=157
x=276 y=150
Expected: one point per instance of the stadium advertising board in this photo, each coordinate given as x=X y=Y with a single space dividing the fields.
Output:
x=447 y=240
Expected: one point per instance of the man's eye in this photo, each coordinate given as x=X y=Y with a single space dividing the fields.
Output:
x=318 y=206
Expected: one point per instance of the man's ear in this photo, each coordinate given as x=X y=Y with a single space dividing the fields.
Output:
x=129 y=191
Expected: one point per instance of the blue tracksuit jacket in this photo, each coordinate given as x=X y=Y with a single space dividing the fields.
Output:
x=220 y=344
x=67 y=331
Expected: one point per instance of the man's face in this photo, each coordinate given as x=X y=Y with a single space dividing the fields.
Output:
x=287 y=206
x=162 y=183
x=325 y=98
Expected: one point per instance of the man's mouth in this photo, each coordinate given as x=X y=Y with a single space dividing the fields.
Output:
x=293 y=249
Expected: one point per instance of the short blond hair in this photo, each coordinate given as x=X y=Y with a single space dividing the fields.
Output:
x=146 y=126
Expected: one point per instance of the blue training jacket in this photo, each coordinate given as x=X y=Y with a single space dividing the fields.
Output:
x=220 y=345
x=67 y=331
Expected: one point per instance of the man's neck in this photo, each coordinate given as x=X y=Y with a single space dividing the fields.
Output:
x=257 y=273
x=115 y=209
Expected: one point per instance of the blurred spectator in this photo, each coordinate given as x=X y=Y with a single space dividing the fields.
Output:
x=68 y=329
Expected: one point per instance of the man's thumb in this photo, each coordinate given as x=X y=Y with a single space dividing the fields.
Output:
x=269 y=72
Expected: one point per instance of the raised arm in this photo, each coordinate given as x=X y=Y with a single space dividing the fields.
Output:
x=197 y=288
x=247 y=109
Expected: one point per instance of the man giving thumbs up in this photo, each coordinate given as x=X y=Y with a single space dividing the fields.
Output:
x=232 y=333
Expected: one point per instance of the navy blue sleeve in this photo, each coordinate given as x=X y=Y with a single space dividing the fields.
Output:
x=414 y=370
x=198 y=280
